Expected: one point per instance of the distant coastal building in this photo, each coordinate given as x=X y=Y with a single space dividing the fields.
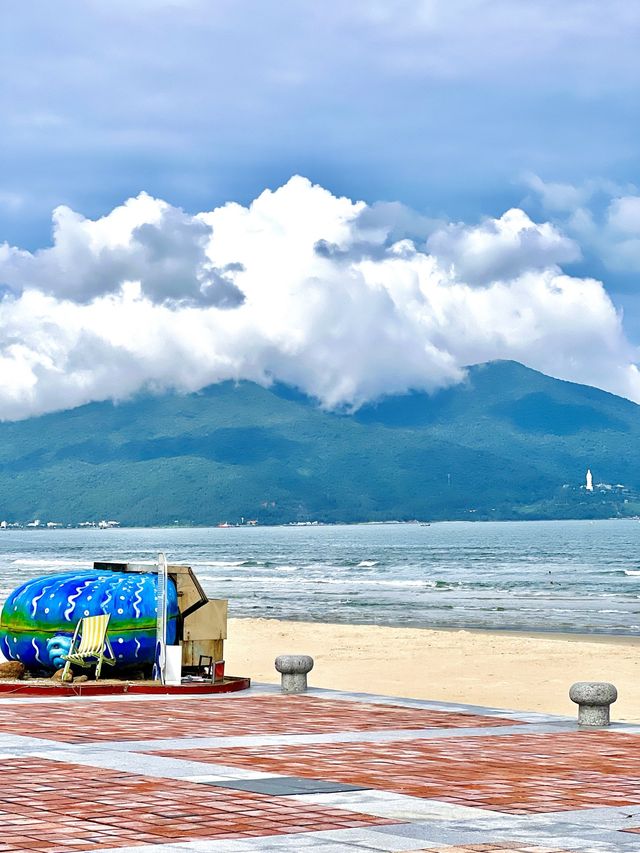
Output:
x=589 y=486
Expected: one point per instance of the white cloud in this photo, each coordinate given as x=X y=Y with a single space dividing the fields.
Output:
x=331 y=299
x=623 y=215
x=143 y=240
x=557 y=196
x=603 y=217
x=501 y=249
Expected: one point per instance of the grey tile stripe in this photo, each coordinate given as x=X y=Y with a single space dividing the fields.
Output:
x=433 y=705
x=404 y=837
x=24 y=742
x=563 y=835
x=369 y=736
x=149 y=765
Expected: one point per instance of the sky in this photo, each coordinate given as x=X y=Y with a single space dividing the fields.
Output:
x=357 y=198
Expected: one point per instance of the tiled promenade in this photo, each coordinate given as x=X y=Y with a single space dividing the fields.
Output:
x=326 y=771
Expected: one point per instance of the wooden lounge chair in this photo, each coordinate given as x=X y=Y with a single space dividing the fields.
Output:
x=90 y=645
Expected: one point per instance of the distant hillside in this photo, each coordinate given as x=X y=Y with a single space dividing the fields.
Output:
x=501 y=445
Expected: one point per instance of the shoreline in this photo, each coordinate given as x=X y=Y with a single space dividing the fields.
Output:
x=62 y=527
x=517 y=670
x=543 y=633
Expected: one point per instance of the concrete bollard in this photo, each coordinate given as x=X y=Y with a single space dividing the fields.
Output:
x=593 y=699
x=294 y=669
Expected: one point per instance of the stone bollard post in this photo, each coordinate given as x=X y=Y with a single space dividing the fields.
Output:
x=593 y=699
x=294 y=669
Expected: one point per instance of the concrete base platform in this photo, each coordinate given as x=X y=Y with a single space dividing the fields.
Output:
x=115 y=687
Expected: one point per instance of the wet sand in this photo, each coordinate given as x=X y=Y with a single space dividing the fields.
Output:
x=531 y=672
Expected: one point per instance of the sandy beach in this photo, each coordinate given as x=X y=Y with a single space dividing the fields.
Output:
x=530 y=672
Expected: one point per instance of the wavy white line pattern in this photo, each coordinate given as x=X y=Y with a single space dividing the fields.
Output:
x=107 y=600
x=34 y=603
x=37 y=651
x=72 y=599
x=137 y=599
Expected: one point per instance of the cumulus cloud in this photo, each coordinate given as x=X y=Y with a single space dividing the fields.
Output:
x=601 y=215
x=624 y=215
x=558 y=196
x=343 y=300
x=501 y=249
x=144 y=240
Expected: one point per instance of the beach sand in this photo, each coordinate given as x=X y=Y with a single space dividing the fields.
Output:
x=530 y=672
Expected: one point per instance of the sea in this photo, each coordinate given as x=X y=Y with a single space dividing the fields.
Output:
x=574 y=576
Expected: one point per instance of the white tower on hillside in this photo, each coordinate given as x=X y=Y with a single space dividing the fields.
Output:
x=589 y=485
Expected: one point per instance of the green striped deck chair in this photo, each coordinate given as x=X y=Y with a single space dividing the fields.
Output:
x=90 y=645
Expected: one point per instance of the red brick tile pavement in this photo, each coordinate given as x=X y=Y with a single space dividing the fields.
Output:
x=218 y=717
x=518 y=774
x=58 y=808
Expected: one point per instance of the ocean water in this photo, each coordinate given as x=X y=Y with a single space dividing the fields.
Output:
x=550 y=575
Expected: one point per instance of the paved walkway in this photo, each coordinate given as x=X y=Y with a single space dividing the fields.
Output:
x=327 y=771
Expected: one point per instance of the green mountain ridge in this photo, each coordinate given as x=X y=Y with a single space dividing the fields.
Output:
x=509 y=442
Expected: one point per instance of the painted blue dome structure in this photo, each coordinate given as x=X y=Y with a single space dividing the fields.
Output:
x=39 y=617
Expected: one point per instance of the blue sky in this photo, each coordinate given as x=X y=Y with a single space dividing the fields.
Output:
x=441 y=105
x=458 y=110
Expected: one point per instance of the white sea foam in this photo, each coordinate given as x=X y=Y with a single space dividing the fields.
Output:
x=366 y=582
x=341 y=581
x=49 y=562
x=453 y=580
x=244 y=579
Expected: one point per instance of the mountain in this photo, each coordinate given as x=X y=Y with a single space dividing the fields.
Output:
x=508 y=443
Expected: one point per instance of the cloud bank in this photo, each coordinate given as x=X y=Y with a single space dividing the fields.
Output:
x=602 y=216
x=344 y=300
